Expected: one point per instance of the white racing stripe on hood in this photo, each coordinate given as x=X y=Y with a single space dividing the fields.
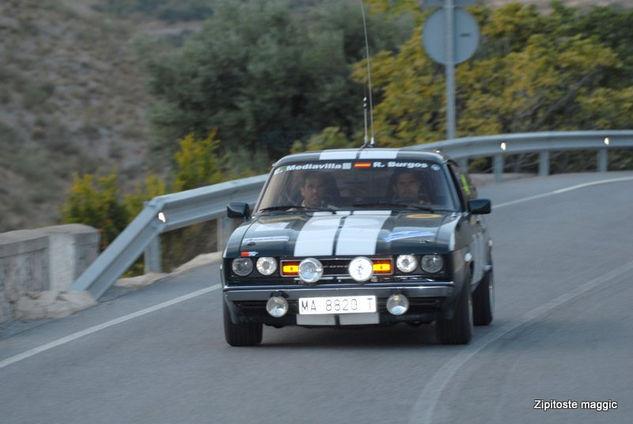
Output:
x=316 y=238
x=360 y=233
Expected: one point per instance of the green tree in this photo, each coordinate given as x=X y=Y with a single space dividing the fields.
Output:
x=265 y=76
x=329 y=138
x=532 y=72
x=538 y=88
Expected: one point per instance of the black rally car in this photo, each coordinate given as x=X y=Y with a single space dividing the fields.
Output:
x=360 y=237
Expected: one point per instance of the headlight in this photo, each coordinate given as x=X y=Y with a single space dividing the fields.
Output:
x=432 y=263
x=310 y=270
x=242 y=266
x=266 y=265
x=361 y=269
x=406 y=263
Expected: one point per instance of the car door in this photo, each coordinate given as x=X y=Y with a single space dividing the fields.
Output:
x=476 y=223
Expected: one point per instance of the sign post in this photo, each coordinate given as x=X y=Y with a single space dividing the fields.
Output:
x=450 y=36
x=449 y=8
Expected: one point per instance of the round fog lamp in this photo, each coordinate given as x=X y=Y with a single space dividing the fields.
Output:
x=266 y=265
x=310 y=270
x=277 y=306
x=361 y=268
x=242 y=266
x=432 y=263
x=397 y=304
x=406 y=263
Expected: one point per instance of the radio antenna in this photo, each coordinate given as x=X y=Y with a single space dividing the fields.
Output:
x=371 y=141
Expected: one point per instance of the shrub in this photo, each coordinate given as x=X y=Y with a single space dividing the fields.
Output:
x=93 y=201
x=198 y=162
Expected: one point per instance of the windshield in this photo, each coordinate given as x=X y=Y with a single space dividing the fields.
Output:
x=347 y=185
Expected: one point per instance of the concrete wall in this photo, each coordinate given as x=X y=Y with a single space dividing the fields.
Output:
x=49 y=258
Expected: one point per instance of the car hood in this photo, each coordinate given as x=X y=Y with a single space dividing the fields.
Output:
x=344 y=233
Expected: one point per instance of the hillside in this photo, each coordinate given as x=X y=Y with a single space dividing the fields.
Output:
x=73 y=98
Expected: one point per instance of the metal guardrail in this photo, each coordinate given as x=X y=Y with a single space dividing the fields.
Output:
x=172 y=211
x=161 y=214
x=498 y=146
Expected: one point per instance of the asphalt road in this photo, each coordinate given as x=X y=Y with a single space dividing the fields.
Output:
x=563 y=259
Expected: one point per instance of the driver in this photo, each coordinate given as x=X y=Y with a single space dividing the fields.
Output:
x=313 y=191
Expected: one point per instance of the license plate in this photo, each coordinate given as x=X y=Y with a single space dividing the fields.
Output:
x=337 y=305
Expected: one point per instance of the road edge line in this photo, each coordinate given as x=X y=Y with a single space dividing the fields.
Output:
x=91 y=330
x=423 y=409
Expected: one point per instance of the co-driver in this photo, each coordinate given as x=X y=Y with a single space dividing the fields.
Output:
x=406 y=188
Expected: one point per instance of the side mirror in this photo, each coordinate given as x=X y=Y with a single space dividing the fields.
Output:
x=238 y=210
x=479 y=206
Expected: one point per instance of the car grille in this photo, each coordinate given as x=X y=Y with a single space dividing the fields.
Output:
x=337 y=267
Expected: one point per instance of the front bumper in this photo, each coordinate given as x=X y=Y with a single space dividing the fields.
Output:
x=248 y=304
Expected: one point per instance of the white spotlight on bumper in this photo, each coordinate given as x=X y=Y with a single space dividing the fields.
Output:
x=397 y=304
x=310 y=270
x=361 y=269
x=277 y=306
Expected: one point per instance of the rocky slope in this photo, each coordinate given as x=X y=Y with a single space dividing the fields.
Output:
x=72 y=99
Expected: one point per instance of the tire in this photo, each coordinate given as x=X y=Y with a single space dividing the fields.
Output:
x=459 y=329
x=240 y=334
x=484 y=300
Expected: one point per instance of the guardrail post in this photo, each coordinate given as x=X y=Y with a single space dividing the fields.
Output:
x=602 y=160
x=152 y=256
x=463 y=164
x=497 y=167
x=543 y=164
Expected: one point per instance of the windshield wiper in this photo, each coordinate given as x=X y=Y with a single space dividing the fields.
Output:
x=396 y=206
x=303 y=208
x=281 y=208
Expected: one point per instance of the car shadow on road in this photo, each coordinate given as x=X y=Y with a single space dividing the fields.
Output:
x=400 y=335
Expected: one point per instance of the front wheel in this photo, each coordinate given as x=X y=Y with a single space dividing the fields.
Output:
x=240 y=334
x=459 y=329
x=484 y=300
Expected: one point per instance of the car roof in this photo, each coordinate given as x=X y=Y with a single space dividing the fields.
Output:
x=369 y=153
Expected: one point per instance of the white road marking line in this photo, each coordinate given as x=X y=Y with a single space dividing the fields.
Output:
x=458 y=360
x=422 y=411
x=427 y=402
x=562 y=190
x=96 y=328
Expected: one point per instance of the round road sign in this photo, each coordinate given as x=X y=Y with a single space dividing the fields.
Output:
x=466 y=35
